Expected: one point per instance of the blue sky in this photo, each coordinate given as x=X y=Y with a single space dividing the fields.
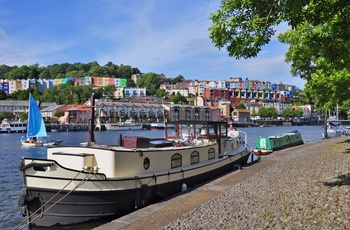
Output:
x=162 y=36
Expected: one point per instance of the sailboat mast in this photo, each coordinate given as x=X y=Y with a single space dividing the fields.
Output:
x=29 y=114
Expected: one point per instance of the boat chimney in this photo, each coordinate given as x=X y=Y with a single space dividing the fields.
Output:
x=121 y=140
x=92 y=121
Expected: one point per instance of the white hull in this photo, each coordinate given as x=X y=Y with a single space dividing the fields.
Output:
x=42 y=141
x=31 y=144
x=157 y=126
x=13 y=127
x=107 y=174
x=336 y=128
x=101 y=181
x=110 y=127
x=331 y=133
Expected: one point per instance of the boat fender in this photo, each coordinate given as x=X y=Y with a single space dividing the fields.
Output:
x=183 y=187
x=24 y=199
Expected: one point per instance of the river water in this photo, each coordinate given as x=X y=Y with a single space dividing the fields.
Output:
x=11 y=153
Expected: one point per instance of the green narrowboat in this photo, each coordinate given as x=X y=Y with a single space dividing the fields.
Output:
x=266 y=145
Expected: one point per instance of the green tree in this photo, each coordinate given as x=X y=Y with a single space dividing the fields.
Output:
x=178 y=99
x=318 y=40
x=298 y=112
x=179 y=78
x=44 y=73
x=160 y=93
x=3 y=95
x=6 y=114
x=240 y=106
x=151 y=81
x=4 y=69
x=268 y=112
x=97 y=70
x=59 y=113
x=287 y=112
x=124 y=71
x=263 y=112
x=23 y=116
x=109 y=91
x=272 y=111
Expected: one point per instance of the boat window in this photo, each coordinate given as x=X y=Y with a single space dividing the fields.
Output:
x=211 y=129
x=211 y=153
x=146 y=163
x=176 y=160
x=223 y=130
x=194 y=157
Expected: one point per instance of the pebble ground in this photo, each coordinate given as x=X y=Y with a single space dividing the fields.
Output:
x=304 y=187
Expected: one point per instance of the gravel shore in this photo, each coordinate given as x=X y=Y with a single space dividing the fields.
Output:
x=307 y=189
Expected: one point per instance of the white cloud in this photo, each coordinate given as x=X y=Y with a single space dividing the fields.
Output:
x=169 y=37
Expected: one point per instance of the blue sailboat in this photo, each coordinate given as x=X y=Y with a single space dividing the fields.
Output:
x=36 y=130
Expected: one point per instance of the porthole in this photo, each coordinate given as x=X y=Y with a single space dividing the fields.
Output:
x=146 y=163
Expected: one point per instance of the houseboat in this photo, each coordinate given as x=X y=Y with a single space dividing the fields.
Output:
x=76 y=184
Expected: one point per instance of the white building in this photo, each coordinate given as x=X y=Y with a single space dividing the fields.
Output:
x=134 y=92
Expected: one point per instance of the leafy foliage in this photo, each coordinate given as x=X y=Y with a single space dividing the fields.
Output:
x=6 y=114
x=151 y=81
x=179 y=78
x=268 y=112
x=287 y=112
x=109 y=91
x=70 y=94
x=59 y=113
x=240 y=105
x=67 y=70
x=23 y=116
x=178 y=99
x=298 y=112
x=318 y=40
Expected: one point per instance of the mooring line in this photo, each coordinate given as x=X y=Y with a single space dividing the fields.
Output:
x=42 y=206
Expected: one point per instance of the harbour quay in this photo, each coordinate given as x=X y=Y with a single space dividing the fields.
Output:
x=303 y=187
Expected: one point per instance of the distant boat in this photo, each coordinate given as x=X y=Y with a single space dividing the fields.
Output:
x=266 y=145
x=157 y=125
x=129 y=124
x=36 y=130
x=336 y=128
x=7 y=126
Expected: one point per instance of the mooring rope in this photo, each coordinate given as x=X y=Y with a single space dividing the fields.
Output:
x=42 y=206
x=154 y=177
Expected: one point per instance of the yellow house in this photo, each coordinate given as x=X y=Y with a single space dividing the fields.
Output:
x=58 y=81
x=14 y=85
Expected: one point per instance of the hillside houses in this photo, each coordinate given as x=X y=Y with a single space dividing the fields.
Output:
x=223 y=94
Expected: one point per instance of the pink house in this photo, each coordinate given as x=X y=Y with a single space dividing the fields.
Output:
x=75 y=114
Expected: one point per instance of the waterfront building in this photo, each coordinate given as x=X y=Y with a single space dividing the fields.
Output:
x=75 y=114
x=241 y=115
